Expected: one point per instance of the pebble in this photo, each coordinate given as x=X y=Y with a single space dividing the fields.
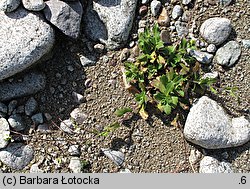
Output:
x=16 y=122
x=144 y=2
x=67 y=126
x=155 y=7
x=78 y=116
x=246 y=43
x=78 y=98
x=17 y=155
x=211 y=165
x=37 y=118
x=143 y=10
x=75 y=165
x=181 y=28
x=164 y=19
x=202 y=57
x=116 y=156
x=4 y=133
x=9 y=5
x=31 y=106
x=212 y=75
x=12 y=106
x=43 y=128
x=99 y=47
x=228 y=54
x=194 y=156
x=211 y=48
x=48 y=116
x=177 y=12
x=216 y=30
x=33 y=5
x=74 y=150
x=87 y=60
x=208 y=126
x=35 y=169
x=186 y=2
x=165 y=37
x=225 y=2
x=124 y=171
x=124 y=54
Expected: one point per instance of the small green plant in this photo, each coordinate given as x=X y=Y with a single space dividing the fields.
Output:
x=120 y=112
x=110 y=128
x=7 y=138
x=164 y=75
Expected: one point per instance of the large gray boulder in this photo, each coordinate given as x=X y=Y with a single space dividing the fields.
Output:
x=24 y=38
x=216 y=30
x=208 y=126
x=9 y=5
x=228 y=54
x=109 y=21
x=65 y=16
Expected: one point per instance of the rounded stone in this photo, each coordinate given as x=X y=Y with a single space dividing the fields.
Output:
x=34 y=5
x=9 y=5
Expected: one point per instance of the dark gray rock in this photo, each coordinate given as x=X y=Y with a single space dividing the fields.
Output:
x=165 y=37
x=16 y=122
x=4 y=133
x=65 y=16
x=37 y=118
x=212 y=165
x=31 y=106
x=18 y=53
x=33 y=5
x=9 y=5
x=216 y=30
x=12 y=106
x=228 y=54
x=109 y=21
x=3 y=108
x=17 y=155
x=31 y=84
x=43 y=128
x=202 y=57
x=208 y=126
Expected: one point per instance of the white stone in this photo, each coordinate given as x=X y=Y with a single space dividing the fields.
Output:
x=33 y=5
x=4 y=133
x=9 y=5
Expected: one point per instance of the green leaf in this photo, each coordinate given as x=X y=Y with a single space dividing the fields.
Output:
x=174 y=100
x=120 y=112
x=167 y=109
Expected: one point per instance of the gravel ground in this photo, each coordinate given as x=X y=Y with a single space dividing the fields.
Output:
x=149 y=146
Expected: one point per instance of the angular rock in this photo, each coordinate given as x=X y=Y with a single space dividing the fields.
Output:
x=186 y=2
x=165 y=37
x=78 y=98
x=9 y=5
x=224 y=2
x=3 y=108
x=177 y=11
x=33 y=5
x=67 y=126
x=43 y=128
x=88 y=60
x=211 y=75
x=216 y=30
x=16 y=122
x=35 y=169
x=78 y=116
x=164 y=19
x=208 y=126
x=12 y=106
x=74 y=150
x=31 y=106
x=31 y=84
x=4 y=133
x=228 y=54
x=16 y=155
x=25 y=38
x=155 y=7
x=194 y=156
x=212 y=165
x=65 y=16
x=75 y=165
x=202 y=57
x=116 y=156
x=37 y=118
x=109 y=21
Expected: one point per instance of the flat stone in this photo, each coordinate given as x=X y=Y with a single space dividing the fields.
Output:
x=75 y=165
x=211 y=75
x=228 y=54
x=25 y=38
x=212 y=165
x=16 y=122
x=17 y=155
x=4 y=133
x=31 y=106
x=116 y=156
x=30 y=84
x=65 y=16
x=43 y=128
x=216 y=30
x=202 y=57
x=9 y=5
x=165 y=37
x=33 y=5
x=208 y=126
x=155 y=7
x=67 y=126
x=89 y=60
x=109 y=21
